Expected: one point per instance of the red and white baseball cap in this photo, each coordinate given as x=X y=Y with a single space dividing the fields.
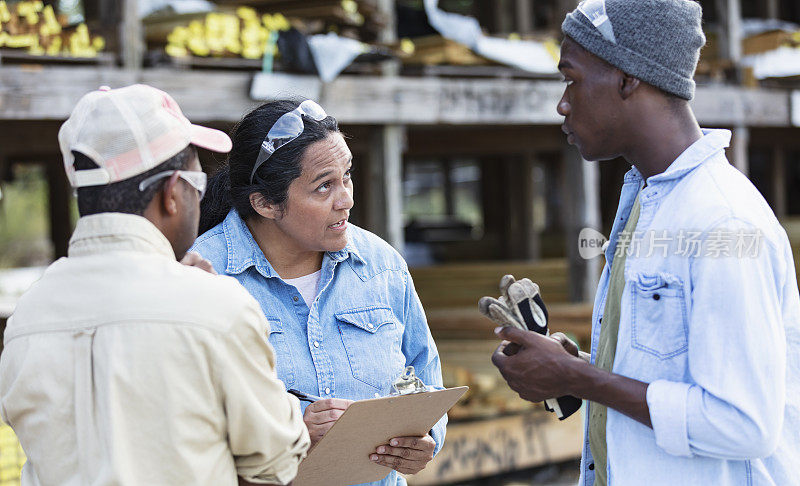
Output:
x=128 y=131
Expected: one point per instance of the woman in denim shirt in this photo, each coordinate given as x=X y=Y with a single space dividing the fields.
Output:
x=344 y=317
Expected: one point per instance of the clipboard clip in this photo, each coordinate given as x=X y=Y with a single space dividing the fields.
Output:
x=408 y=383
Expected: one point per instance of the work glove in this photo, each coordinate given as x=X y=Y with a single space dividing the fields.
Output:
x=520 y=305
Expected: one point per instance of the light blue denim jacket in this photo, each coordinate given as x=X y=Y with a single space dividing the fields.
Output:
x=365 y=326
x=715 y=333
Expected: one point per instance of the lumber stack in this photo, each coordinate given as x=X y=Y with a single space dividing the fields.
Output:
x=465 y=338
x=436 y=50
x=244 y=29
x=36 y=29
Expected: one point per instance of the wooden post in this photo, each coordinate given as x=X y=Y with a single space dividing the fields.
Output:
x=773 y=8
x=387 y=157
x=739 y=148
x=532 y=203
x=131 y=36
x=59 y=200
x=734 y=28
x=514 y=202
x=581 y=190
x=449 y=190
x=505 y=22
x=524 y=16
x=779 y=182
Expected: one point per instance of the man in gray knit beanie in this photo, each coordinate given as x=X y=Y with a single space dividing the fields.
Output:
x=694 y=377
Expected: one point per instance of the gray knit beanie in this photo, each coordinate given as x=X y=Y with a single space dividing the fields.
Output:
x=657 y=41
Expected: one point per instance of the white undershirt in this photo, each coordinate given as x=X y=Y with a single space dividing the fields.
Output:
x=306 y=285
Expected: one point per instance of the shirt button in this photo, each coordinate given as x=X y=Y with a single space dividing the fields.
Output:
x=377 y=395
x=591 y=467
x=327 y=391
x=316 y=344
x=656 y=296
x=295 y=298
x=370 y=326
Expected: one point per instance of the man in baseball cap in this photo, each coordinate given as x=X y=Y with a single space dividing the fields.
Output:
x=122 y=366
x=694 y=375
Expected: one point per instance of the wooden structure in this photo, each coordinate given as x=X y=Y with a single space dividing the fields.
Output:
x=536 y=193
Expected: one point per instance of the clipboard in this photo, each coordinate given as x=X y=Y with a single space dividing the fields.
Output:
x=341 y=457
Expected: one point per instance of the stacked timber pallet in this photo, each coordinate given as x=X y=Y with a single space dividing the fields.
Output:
x=31 y=30
x=359 y=19
x=248 y=30
x=492 y=430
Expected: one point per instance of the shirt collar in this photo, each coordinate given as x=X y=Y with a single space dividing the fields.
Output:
x=244 y=252
x=104 y=232
x=712 y=142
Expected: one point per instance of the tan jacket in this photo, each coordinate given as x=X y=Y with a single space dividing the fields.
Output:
x=122 y=366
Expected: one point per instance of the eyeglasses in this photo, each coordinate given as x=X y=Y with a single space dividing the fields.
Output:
x=288 y=127
x=196 y=179
x=595 y=11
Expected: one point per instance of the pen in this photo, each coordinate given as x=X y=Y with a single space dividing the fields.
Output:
x=304 y=396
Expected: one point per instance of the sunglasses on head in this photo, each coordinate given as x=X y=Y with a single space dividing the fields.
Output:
x=288 y=127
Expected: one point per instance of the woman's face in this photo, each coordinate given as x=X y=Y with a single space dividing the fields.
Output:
x=318 y=205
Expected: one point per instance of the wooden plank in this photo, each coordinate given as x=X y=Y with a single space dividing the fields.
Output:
x=728 y=106
x=495 y=446
x=19 y=56
x=224 y=96
x=468 y=323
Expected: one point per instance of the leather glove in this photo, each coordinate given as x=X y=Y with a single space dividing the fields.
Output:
x=520 y=305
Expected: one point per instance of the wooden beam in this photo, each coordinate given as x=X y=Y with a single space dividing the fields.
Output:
x=369 y=100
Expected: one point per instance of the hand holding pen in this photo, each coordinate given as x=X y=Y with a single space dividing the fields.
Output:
x=321 y=414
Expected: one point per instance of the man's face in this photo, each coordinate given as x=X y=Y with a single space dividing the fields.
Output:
x=190 y=214
x=590 y=103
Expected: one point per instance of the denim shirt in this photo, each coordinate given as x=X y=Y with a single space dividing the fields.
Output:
x=365 y=326
x=713 y=329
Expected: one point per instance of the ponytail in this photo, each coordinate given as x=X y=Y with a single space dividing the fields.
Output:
x=217 y=203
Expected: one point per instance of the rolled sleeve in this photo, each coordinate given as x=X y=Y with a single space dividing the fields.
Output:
x=667 y=402
x=266 y=432
x=737 y=353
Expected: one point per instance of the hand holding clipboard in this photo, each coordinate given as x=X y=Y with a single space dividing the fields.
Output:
x=367 y=424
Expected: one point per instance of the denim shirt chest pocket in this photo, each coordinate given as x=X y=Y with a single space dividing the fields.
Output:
x=659 y=323
x=283 y=357
x=371 y=338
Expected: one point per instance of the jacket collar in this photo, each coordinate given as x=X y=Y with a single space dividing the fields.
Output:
x=712 y=142
x=244 y=252
x=99 y=233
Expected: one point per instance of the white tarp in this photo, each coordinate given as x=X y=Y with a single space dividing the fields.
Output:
x=332 y=54
x=778 y=63
x=527 y=55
